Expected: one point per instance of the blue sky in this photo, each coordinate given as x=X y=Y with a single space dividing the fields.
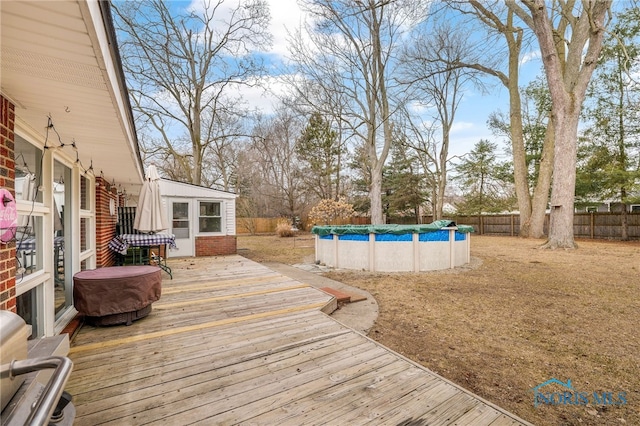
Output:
x=475 y=108
x=470 y=124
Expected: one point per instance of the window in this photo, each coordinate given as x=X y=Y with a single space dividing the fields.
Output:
x=28 y=239
x=85 y=194
x=28 y=162
x=83 y=233
x=62 y=247
x=210 y=219
x=87 y=220
x=30 y=283
x=635 y=207
x=27 y=306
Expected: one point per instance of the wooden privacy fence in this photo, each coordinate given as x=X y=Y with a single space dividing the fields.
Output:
x=267 y=225
x=256 y=225
x=597 y=225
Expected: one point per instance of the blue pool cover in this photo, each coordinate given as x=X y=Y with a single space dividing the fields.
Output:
x=353 y=231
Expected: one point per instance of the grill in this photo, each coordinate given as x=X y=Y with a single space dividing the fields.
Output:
x=24 y=399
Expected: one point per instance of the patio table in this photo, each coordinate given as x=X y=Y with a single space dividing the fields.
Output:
x=121 y=243
x=116 y=294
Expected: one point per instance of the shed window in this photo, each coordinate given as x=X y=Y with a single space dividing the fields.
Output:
x=210 y=219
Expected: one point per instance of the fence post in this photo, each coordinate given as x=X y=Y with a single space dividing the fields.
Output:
x=512 y=222
x=592 y=225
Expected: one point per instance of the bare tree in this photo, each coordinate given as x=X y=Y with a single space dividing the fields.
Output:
x=220 y=159
x=348 y=50
x=420 y=140
x=438 y=87
x=278 y=182
x=570 y=36
x=504 y=27
x=184 y=69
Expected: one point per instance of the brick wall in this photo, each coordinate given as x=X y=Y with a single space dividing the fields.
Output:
x=216 y=246
x=7 y=181
x=105 y=223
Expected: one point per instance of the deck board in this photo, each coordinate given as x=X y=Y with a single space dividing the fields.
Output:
x=157 y=367
x=232 y=341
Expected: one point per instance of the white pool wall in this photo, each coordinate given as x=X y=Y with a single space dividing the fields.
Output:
x=411 y=255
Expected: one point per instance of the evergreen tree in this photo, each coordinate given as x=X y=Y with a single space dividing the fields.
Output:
x=319 y=149
x=403 y=185
x=611 y=143
x=483 y=181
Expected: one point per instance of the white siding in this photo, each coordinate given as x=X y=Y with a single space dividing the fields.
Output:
x=171 y=189
x=230 y=219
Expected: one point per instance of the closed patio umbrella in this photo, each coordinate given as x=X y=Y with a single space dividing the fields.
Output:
x=150 y=213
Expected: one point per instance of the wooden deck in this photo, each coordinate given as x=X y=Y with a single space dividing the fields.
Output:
x=232 y=341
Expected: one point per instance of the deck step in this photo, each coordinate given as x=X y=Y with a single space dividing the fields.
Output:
x=343 y=297
x=340 y=296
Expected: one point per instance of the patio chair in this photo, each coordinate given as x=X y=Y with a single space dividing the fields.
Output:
x=124 y=225
x=126 y=217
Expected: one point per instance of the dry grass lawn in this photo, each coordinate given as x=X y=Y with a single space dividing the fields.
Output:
x=515 y=318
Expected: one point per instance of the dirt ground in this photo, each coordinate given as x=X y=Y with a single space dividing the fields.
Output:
x=514 y=318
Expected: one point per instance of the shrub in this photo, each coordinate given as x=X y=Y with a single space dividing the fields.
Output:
x=284 y=229
x=328 y=211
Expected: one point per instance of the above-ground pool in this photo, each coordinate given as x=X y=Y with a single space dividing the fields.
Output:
x=394 y=248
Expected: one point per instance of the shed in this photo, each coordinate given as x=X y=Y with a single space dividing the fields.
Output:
x=203 y=220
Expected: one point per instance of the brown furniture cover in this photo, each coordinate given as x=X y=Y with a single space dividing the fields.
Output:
x=116 y=289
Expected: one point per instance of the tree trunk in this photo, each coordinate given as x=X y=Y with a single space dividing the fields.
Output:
x=622 y=154
x=437 y=208
x=196 y=143
x=541 y=192
x=442 y=166
x=442 y=183
x=520 y=172
x=568 y=68
x=565 y=121
x=375 y=196
x=625 y=223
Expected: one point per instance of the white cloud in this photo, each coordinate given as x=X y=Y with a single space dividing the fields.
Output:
x=286 y=16
x=264 y=97
x=530 y=56
x=420 y=108
x=461 y=126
